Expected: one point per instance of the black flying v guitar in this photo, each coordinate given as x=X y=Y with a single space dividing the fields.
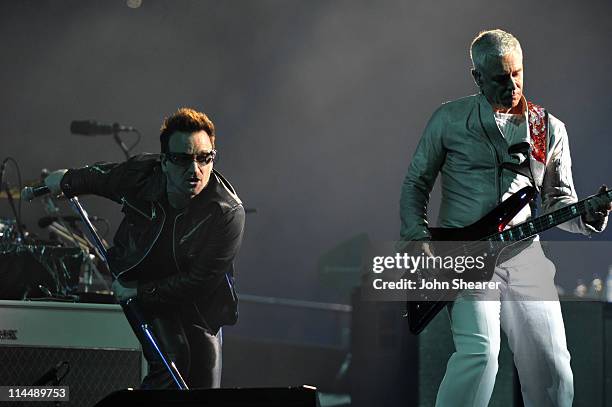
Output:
x=487 y=235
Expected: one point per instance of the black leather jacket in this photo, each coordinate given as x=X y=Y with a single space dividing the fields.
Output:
x=206 y=236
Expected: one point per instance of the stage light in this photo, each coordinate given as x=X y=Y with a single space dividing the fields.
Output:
x=133 y=3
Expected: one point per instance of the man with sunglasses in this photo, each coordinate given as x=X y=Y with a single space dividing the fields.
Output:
x=175 y=247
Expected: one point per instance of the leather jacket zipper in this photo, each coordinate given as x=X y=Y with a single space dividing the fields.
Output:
x=153 y=214
x=174 y=240
x=154 y=240
x=176 y=261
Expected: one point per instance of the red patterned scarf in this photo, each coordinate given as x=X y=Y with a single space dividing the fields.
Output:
x=537 y=130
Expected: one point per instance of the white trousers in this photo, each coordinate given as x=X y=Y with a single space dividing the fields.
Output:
x=527 y=308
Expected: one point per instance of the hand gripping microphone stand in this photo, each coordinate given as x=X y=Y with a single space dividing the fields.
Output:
x=131 y=307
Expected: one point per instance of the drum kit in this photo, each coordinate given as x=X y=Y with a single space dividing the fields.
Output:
x=8 y=230
x=73 y=266
x=63 y=267
x=70 y=265
x=64 y=270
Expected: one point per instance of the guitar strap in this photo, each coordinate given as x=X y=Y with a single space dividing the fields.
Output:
x=538 y=131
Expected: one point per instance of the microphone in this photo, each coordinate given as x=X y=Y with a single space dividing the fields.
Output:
x=94 y=128
x=29 y=193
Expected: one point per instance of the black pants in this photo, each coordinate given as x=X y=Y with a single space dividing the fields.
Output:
x=195 y=351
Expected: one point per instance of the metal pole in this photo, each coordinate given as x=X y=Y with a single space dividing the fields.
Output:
x=130 y=306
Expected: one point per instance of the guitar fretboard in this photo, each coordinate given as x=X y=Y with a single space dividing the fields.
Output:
x=534 y=226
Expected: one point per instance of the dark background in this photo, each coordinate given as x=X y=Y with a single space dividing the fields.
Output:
x=318 y=104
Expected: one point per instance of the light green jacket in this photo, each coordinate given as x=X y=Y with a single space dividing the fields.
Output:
x=463 y=144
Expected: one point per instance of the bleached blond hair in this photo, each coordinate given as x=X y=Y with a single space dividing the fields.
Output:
x=495 y=43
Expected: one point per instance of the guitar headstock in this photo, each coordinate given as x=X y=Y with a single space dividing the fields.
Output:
x=605 y=193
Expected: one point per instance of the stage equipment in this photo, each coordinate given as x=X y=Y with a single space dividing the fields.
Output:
x=305 y=396
x=39 y=271
x=12 y=191
x=8 y=230
x=382 y=342
x=93 y=340
x=5 y=187
x=93 y=128
x=486 y=237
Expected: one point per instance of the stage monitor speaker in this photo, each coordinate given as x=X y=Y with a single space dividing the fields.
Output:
x=305 y=396
x=101 y=351
x=92 y=374
x=588 y=328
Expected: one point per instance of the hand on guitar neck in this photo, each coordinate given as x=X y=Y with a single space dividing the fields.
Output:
x=428 y=249
x=598 y=209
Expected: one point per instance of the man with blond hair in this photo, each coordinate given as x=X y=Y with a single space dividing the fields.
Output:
x=466 y=141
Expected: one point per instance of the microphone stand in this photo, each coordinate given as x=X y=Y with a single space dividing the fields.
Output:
x=130 y=306
x=124 y=148
x=20 y=232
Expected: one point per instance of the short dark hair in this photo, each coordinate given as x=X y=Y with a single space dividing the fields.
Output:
x=188 y=121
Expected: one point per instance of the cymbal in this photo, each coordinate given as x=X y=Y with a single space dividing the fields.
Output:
x=15 y=193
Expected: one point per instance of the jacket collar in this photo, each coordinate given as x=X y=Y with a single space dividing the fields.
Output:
x=489 y=125
x=482 y=100
x=218 y=189
x=487 y=120
x=155 y=189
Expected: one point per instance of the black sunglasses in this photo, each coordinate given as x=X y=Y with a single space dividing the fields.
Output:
x=184 y=159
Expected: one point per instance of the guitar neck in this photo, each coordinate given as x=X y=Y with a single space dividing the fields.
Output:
x=537 y=225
